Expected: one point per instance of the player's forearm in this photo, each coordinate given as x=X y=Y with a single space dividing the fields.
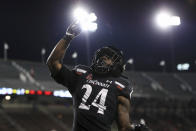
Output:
x=58 y=53
x=123 y=114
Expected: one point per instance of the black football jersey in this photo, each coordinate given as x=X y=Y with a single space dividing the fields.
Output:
x=94 y=97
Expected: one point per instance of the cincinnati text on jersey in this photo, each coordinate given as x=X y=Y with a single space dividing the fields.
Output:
x=96 y=82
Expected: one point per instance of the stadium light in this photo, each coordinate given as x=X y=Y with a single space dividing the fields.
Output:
x=175 y=21
x=165 y=19
x=87 y=20
x=183 y=67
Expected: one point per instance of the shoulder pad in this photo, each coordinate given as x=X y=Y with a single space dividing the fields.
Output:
x=124 y=80
x=81 y=69
x=124 y=87
x=121 y=83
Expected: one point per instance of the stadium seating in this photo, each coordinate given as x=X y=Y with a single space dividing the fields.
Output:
x=65 y=114
x=190 y=78
x=159 y=115
x=165 y=115
x=148 y=84
x=172 y=85
x=41 y=74
x=166 y=101
x=5 y=125
x=10 y=77
x=32 y=119
x=142 y=86
x=7 y=71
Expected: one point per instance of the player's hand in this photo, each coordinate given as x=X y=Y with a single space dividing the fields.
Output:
x=73 y=30
x=141 y=126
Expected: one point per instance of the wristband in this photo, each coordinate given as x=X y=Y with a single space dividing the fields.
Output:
x=67 y=38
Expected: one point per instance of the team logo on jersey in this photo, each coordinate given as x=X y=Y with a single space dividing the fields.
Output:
x=96 y=82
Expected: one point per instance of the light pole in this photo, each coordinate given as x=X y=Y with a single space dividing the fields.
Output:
x=43 y=52
x=162 y=64
x=6 y=47
x=75 y=56
x=131 y=62
x=165 y=20
x=195 y=65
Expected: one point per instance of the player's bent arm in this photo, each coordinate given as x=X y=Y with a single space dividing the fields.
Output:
x=57 y=55
x=123 y=119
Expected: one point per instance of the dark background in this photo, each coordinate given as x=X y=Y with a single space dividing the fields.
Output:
x=29 y=25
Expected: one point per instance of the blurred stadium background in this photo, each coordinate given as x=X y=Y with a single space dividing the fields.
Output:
x=31 y=100
x=161 y=64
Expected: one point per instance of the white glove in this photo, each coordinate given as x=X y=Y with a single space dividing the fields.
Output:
x=73 y=30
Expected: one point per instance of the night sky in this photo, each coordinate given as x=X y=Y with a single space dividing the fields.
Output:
x=29 y=25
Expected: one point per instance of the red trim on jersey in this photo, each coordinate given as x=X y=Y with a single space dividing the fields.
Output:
x=78 y=73
x=119 y=87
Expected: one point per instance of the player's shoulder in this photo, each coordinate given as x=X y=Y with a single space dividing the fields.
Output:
x=122 y=81
x=82 y=69
x=123 y=86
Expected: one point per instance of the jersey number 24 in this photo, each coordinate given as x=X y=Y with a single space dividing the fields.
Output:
x=101 y=105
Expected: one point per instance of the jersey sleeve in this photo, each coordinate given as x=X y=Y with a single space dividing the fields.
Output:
x=66 y=77
x=124 y=88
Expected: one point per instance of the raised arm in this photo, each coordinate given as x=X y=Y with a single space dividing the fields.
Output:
x=55 y=58
x=123 y=119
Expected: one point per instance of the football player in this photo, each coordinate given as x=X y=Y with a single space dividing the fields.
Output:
x=100 y=94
